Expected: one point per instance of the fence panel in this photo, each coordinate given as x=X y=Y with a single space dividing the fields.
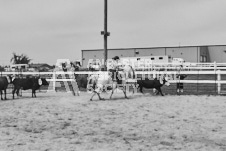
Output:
x=197 y=82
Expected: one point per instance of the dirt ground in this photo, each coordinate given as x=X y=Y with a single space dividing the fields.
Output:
x=62 y=122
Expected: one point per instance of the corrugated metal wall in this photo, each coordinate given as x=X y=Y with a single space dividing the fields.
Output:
x=188 y=53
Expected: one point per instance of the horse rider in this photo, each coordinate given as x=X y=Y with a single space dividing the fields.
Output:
x=114 y=68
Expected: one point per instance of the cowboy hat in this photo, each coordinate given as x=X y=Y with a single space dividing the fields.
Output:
x=115 y=58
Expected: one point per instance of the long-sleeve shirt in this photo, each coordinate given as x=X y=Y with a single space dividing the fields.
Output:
x=113 y=65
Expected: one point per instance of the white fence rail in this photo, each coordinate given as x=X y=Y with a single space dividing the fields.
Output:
x=185 y=66
x=172 y=74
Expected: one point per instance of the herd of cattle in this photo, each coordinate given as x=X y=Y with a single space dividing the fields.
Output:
x=34 y=83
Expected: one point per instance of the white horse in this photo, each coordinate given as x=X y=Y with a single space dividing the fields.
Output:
x=103 y=81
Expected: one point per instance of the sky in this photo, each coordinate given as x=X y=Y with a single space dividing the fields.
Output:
x=47 y=30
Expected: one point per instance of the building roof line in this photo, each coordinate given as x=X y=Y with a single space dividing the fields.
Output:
x=152 y=47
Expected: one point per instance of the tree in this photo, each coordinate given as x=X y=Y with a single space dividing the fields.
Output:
x=2 y=68
x=20 y=59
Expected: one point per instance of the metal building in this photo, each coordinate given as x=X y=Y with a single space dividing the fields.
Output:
x=208 y=53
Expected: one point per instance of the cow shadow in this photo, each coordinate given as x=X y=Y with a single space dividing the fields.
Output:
x=146 y=94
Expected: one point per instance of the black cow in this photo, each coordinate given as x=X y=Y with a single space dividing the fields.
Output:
x=157 y=84
x=4 y=81
x=33 y=83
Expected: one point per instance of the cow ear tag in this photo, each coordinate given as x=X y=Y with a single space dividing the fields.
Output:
x=40 y=81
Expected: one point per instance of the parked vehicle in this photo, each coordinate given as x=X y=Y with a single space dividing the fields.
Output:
x=19 y=67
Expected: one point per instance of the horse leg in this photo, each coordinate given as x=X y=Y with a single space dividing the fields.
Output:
x=134 y=86
x=113 y=89
x=91 y=99
x=124 y=91
x=100 y=98
x=112 y=93
x=72 y=90
x=94 y=93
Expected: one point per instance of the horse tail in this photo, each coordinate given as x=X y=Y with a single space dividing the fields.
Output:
x=134 y=76
x=132 y=72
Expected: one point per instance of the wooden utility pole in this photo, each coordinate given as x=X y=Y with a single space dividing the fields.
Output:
x=106 y=34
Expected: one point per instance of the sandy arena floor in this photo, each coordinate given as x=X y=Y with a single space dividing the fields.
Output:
x=62 y=122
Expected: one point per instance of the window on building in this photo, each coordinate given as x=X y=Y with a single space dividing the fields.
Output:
x=204 y=59
x=152 y=58
x=160 y=58
x=201 y=58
